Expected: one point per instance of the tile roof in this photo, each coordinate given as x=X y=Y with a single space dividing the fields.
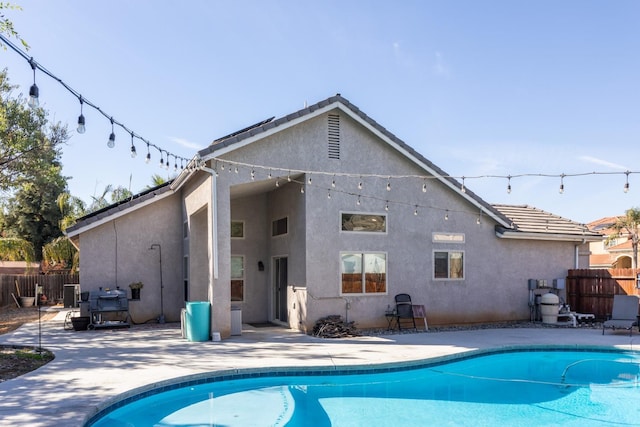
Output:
x=527 y=219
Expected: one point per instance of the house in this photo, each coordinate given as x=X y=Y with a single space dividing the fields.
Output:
x=323 y=212
x=609 y=253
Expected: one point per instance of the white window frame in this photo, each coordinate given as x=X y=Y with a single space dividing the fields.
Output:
x=273 y=236
x=243 y=278
x=243 y=229
x=449 y=252
x=370 y=233
x=363 y=273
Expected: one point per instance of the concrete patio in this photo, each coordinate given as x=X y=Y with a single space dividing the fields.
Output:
x=91 y=368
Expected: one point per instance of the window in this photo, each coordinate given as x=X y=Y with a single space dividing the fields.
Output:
x=364 y=273
x=237 y=229
x=364 y=222
x=279 y=227
x=237 y=278
x=448 y=265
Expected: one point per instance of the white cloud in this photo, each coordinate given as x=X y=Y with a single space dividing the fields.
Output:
x=185 y=143
x=440 y=67
x=601 y=162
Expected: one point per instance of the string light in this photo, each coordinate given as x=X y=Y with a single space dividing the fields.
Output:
x=462 y=187
x=509 y=184
x=328 y=194
x=360 y=184
x=424 y=186
x=148 y=158
x=253 y=174
x=34 y=92
x=446 y=215
x=81 y=128
x=112 y=138
x=333 y=182
x=415 y=212
x=133 y=148
x=626 y=184
x=34 y=99
x=358 y=201
x=389 y=184
x=386 y=206
x=302 y=189
x=309 y=180
x=561 y=184
x=161 y=164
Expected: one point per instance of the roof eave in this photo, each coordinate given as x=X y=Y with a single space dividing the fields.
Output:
x=519 y=235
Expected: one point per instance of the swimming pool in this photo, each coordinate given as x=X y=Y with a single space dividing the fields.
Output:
x=516 y=387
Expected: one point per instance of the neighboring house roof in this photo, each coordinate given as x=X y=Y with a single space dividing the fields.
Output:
x=626 y=246
x=603 y=225
x=18 y=267
x=118 y=209
x=533 y=223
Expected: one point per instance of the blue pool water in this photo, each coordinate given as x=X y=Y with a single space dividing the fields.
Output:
x=519 y=388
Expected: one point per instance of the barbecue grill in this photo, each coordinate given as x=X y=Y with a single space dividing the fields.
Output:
x=108 y=308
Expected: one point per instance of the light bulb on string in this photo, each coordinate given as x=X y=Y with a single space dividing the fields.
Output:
x=166 y=165
x=328 y=194
x=277 y=183
x=253 y=174
x=626 y=184
x=133 y=148
x=302 y=189
x=360 y=184
x=161 y=164
x=424 y=186
x=175 y=164
x=333 y=182
x=148 y=159
x=389 y=184
x=509 y=184
x=81 y=128
x=236 y=169
x=309 y=180
x=446 y=216
x=112 y=137
x=386 y=206
x=415 y=211
x=462 y=187
x=269 y=176
x=181 y=164
x=289 y=177
x=561 y=190
x=478 y=220
x=34 y=92
x=358 y=201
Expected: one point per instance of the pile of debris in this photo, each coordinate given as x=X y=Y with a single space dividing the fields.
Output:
x=334 y=327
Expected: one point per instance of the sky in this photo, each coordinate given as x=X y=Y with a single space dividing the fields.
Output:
x=479 y=88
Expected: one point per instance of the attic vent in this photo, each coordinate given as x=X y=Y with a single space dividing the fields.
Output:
x=334 y=136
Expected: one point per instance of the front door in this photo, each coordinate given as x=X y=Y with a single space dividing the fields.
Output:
x=280 y=288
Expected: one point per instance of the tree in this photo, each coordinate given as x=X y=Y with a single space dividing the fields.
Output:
x=16 y=249
x=60 y=254
x=628 y=226
x=6 y=26
x=32 y=213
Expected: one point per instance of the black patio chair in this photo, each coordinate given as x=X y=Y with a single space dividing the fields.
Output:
x=404 y=311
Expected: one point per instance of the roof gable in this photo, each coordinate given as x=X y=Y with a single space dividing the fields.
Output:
x=268 y=127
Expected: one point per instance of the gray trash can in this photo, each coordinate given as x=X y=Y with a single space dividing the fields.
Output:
x=236 y=321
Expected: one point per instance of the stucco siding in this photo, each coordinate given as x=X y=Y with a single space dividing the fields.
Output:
x=117 y=253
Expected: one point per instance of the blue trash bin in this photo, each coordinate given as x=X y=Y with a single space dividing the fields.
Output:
x=198 y=321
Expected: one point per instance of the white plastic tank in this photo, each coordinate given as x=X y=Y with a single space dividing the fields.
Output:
x=549 y=308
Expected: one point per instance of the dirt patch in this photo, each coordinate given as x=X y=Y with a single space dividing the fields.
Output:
x=16 y=361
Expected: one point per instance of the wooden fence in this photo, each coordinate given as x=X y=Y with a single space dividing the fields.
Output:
x=592 y=291
x=25 y=285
